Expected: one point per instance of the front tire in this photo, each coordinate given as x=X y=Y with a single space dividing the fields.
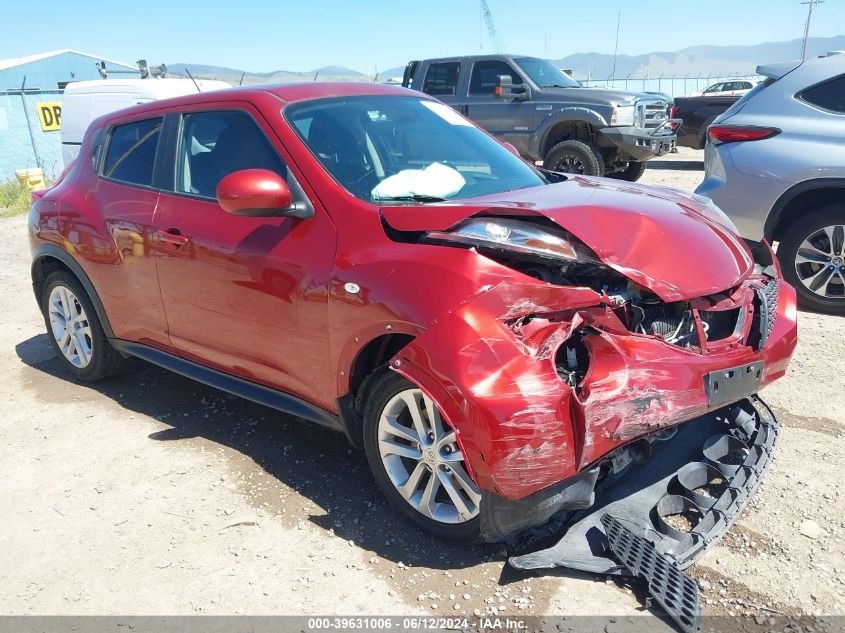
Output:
x=416 y=461
x=75 y=331
x=812 y=256
x=575 y=157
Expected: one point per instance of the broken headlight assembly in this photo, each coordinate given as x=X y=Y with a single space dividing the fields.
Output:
x=545 y=252
x=516 y=236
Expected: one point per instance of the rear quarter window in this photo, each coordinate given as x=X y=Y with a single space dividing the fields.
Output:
x=828 y=95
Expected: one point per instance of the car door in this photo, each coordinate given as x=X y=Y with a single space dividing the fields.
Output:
x=119 y=255
x=510 y=119
x=246 y=295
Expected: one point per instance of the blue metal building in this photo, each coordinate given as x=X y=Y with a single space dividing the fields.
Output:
x=30 y=106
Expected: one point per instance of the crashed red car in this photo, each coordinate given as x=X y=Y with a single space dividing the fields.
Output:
x=501 y=340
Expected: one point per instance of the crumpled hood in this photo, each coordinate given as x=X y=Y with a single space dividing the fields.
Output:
x=660 y=239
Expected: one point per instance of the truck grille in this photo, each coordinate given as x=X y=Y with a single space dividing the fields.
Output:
x=650 y=113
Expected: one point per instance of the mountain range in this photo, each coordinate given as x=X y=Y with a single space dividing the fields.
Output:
x=694 y=60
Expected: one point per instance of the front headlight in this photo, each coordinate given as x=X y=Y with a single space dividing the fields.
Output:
x=516 y=236
x=623 y=115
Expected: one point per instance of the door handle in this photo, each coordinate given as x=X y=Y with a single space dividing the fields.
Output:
x=171 y=238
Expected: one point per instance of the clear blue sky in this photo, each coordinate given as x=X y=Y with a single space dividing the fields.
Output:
x=263 y=35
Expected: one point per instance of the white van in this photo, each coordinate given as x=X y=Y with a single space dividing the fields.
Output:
x=84 y=101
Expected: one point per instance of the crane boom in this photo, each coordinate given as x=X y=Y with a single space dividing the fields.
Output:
x=491 y=26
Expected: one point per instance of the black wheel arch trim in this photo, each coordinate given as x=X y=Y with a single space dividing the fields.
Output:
x=273 y=398
x=51 y=250
x=774 y=219
x=578 y=114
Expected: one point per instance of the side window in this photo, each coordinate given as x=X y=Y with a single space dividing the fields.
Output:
x=215 y=144
x=715 y=88
x=132 y=150
x=441 y=79
x=829 y=95
x=484 y=75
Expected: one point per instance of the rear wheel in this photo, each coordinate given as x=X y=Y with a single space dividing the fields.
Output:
x=812 y=257
x=416 y=461
x=632 y=173
x=75 y=331
x=575 y=157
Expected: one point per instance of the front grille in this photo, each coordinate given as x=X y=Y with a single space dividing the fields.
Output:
x=651 y=113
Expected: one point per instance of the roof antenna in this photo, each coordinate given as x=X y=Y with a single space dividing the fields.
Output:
x=192 y=79
x=241 y=82
x=616 y=46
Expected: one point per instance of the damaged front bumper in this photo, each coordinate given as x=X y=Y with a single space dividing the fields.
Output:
x=535 y=435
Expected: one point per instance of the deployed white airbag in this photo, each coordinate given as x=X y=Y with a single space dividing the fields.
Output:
x=436 y=180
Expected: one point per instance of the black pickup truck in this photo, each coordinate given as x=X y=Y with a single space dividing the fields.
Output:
x=696 y=114
x=548 y=116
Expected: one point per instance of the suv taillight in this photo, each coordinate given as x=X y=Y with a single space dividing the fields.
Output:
x=673 y=113
x=732 y=133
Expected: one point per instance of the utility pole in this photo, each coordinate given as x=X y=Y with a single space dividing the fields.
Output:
x=810 y=4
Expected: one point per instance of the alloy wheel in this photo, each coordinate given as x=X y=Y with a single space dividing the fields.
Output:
x=820 y=262
x=422 y=459
x=70 y=326
x=571 y=164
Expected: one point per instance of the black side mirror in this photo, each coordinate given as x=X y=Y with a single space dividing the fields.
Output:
x=505 y=89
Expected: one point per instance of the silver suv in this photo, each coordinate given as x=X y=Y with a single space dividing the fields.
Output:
x=775 y=163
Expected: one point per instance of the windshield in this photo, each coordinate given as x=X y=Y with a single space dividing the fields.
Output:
x=545 y=74
x=398 y=149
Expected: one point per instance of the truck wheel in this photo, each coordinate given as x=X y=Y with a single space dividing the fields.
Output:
x=632 y=173
x=575 y=157
x=812 y=256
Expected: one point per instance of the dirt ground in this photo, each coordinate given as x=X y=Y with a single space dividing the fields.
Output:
x=151 y=494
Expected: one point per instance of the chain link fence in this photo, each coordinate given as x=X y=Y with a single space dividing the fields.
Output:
x=674 y=85
x=26 y=140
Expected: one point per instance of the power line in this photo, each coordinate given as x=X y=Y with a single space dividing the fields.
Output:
x=810 y=4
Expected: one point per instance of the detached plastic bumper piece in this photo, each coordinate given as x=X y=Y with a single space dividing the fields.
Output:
x=676 y=592
x=680 y=501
